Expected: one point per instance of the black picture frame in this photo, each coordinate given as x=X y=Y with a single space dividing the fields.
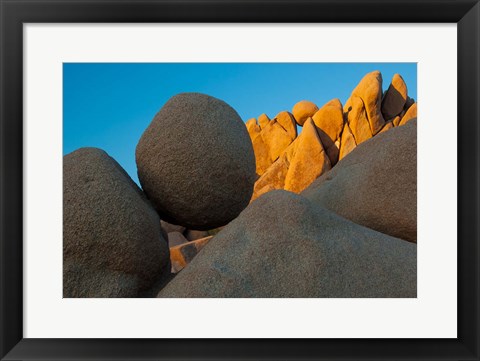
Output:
x=14 y=13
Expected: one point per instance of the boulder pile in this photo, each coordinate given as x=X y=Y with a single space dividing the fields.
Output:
x=339 y=129
x=254 y=209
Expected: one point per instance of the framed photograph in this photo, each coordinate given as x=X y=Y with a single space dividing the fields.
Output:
x=239 y=180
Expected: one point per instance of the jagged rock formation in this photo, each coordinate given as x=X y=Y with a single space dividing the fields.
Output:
x=272 y=140
x=112 y=242
x=282 y=164
x=312 y=252
x=300 y=164
x=195 y=175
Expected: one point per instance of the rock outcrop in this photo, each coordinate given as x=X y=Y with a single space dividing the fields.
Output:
x=310 y=159
x=347 y=142
x=312 y=252
x=410 y=114
x=369 y=90
x=376 y=184
x=395 y=97
x=279 y=163
x=273 y=139
x=112 y=241
x=300 y=164
x=356 y=116
x=196 y=162
x=303 y=110
x=253 y=128
x=329 y=122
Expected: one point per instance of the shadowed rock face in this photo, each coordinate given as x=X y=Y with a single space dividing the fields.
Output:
x=376 y=184
x=284 y=245
x=395 y=97
x=196 y=162
x=112 y=241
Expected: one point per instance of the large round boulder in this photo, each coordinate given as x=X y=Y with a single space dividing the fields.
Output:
x=112 y=241
x=196 y=163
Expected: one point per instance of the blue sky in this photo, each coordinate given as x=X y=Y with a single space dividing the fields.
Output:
x=108 y=105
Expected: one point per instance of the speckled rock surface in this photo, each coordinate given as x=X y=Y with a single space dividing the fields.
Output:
x=196 y=162
x=376 y=184
x=168 y=228
x=112 y=242
x=312 y=252
x=176 y=239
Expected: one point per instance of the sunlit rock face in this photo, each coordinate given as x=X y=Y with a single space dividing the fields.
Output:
x=329 y=122
x=303 y=110
x=338 y=129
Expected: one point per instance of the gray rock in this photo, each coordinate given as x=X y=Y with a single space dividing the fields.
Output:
x=196 y=162
x=284 y=245
x=192 y=235
x=171 y=227
x=176 y=239
x=112 y=243
x=376 y=184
